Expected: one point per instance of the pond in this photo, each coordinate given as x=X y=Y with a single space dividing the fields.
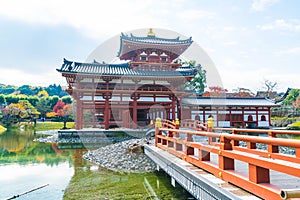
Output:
x=47 y=171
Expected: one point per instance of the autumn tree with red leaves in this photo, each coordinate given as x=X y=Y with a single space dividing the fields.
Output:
x=63 y=111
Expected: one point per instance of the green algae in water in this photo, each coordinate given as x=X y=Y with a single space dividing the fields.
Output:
x=93 y=182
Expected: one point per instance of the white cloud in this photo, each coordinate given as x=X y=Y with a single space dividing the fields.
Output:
x=19 y=77
x=261 y=5
x=294 y=50
x=230 y=43
x=281 y=24
x=93 y=18
x=196 y=14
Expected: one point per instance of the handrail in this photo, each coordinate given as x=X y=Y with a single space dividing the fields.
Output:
x=241 y=130
x=226 y=147
x=193 y=124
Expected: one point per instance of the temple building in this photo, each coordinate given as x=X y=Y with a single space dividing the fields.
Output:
x=230 y=111
x=146 y=86
x=149 y=84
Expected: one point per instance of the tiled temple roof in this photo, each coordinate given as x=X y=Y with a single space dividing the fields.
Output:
x=156 y=40
x=96 y=68
x=217 y=101
x=175 y=47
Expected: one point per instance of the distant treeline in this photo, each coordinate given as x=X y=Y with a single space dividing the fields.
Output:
x=52 y=90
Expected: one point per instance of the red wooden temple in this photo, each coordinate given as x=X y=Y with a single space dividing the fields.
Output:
x=147 y=85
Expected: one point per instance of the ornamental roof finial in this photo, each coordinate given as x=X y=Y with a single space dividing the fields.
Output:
x=151 y=33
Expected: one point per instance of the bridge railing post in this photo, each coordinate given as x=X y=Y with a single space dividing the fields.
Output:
x=297 y=152
x=258 y=174
x=158 y=125
x=225 y=163
x=272 y=148
x=235 y=142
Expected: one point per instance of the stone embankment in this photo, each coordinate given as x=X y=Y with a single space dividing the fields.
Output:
x=126 y=156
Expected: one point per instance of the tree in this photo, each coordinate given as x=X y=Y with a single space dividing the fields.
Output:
x=243 y=92
x=66 y=99
x=216 y=91
x=43 y=106
x=198 y=83
x=33 y=100
x=296 y=103
x=43 y=93
x=270 y=86
x=2 y=100
x=26 y=89
x=13 y=113
x=53 y=100
x=11 y=99
x=31 y=111
x=291 y=97
x=63 y=111
x=55 y=90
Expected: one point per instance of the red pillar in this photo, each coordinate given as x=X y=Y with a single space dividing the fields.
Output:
x=256 y=111
x=106 y=96
x=269 y=116
x=134 y=113
x=78 y=114
x=243 y=120
x=106 y=114
x=179 y=111
x=203 y=114
x=230 y=116
x=173 y=108
x=217 y=117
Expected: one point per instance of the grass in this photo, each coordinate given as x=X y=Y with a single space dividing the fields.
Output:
x=2 y=129
x=294 y=126
x=44 y=126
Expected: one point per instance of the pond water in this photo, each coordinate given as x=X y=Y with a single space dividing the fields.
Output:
x=47 y=171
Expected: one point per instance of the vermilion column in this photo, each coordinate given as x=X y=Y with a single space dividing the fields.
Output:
x=78 y=114
x=106 y=96
x=106 y=114
x=243 y=120
x=173 y=99
x=230 y=117
x=203 y=114
x=256 y=112
x=269 y=116
x=134 y=113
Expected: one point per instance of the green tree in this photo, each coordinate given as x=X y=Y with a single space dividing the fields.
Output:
x=291 y=97
x=31 y=112
x=26 y=89
x=43 y=106
x=53 y=100
x=66 y=99
x=198 y=83
x=7 y=89
x=11 y=99
x=2 y=100
x=33 y=100
x=13 y=113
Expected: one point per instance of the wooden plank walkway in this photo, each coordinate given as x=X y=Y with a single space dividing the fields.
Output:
x=219 y=189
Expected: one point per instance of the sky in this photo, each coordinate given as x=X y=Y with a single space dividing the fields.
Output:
x=248 y=41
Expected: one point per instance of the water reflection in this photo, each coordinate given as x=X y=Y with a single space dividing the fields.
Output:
x=25 y=165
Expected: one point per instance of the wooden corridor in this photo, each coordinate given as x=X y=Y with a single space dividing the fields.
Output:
x=254 y=163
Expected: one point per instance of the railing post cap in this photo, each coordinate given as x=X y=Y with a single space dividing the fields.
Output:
x=158 y=123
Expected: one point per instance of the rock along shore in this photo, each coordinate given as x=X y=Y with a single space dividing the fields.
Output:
x=124 y=157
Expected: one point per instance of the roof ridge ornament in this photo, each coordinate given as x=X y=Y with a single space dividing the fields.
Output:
x=151 y=33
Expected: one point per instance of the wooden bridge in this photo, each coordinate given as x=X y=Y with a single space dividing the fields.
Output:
x=251 y=159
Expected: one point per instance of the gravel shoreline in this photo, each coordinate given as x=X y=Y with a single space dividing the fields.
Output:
x=118 y=157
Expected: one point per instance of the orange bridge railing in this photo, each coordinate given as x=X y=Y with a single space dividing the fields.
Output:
x=226 y=146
